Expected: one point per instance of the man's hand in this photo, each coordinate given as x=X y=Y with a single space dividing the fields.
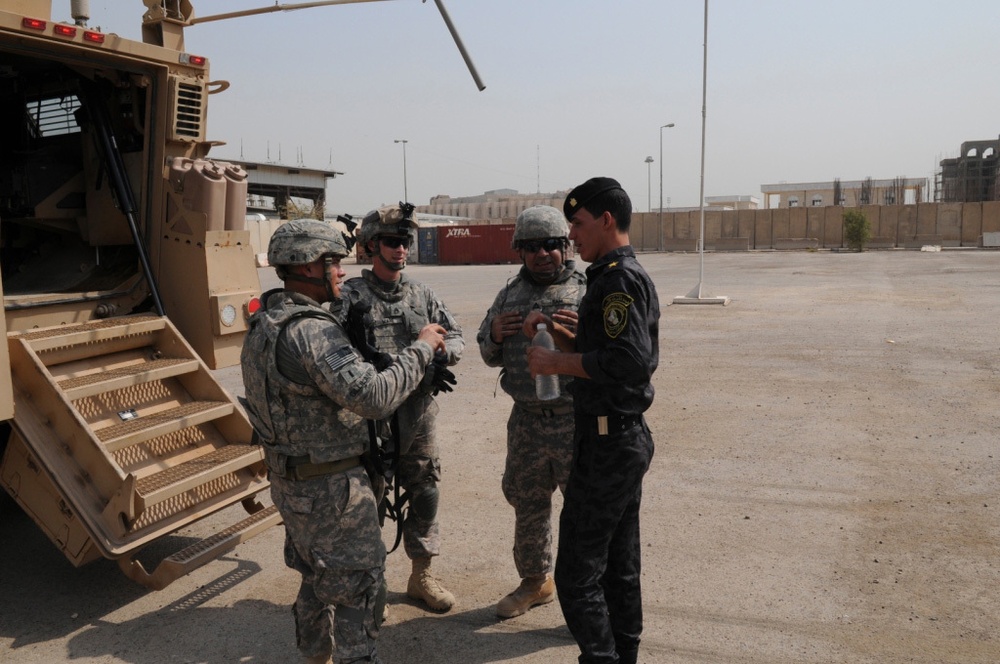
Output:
x=567 y=318
x=438 y=377
x=532 y=321
x=505 y=325
x=433 y=335
x=541 y=361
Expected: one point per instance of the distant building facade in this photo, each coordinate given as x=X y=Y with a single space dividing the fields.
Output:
x=848 y=193
x=972 y=177
x=495 y=204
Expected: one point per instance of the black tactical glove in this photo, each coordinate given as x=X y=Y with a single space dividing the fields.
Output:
x=438 y=377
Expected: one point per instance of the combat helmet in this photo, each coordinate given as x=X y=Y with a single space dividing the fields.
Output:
x=301 y=241
x=539 y=222
x=398 y=219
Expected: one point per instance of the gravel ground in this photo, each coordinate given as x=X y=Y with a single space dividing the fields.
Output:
x=823 y=490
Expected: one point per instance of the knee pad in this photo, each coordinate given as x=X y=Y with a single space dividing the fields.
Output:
x=424 y=504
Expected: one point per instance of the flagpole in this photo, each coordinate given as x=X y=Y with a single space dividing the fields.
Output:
x=696 y=296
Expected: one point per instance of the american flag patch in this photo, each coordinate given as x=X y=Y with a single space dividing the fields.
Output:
x=340 y=359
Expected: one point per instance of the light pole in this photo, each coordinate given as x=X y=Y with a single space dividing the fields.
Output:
x=649 y=186
x=660 y=219
x=406 y=196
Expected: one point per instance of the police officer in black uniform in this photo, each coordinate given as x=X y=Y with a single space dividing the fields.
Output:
x=613 y=356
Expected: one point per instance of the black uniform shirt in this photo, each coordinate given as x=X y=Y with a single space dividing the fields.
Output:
x=618 y=335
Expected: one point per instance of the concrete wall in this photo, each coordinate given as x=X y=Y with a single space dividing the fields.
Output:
x=946 y=224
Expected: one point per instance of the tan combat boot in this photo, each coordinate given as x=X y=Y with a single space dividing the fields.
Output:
x=319 y=659
x=426 y=588
x=533 y=591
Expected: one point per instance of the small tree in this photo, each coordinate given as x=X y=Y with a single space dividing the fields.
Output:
x=857 y=230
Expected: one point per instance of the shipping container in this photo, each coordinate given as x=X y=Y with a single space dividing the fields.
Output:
x=427 y=241
x=476 y=245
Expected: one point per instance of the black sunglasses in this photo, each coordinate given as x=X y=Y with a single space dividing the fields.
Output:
x=548 y=244
x=395 y=242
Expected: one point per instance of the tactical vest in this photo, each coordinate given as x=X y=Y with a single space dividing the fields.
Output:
x=291 y=418
x=525 y=296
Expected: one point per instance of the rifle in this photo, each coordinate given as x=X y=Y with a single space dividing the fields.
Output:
x=382 y=457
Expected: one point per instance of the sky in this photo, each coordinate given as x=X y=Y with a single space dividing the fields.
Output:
x=797 y=91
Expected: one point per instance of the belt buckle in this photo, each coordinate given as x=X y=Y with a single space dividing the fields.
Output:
x=602 y=425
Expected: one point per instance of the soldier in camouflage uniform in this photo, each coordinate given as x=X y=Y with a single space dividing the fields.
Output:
x=539 y=433
x=613 y=354
x=307 y=394
x=400 y=307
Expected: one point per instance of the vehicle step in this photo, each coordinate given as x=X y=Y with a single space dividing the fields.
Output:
x=191 y=558
x=89 y=385
x=145 y=427
x=175 y=480
x=92 y=332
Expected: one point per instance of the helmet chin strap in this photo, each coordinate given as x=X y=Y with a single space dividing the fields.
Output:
x=395 y=267
x=325 y=281
x=328 y=278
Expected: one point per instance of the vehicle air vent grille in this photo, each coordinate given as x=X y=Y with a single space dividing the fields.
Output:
x=189 y=110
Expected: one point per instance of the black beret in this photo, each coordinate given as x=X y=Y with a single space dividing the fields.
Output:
x=585 y=192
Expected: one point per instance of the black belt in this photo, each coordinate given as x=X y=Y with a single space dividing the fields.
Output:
x=300 y=468
x=609 y=424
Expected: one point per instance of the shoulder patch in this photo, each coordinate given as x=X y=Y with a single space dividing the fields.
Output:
x=615 y=313
x=340 y=358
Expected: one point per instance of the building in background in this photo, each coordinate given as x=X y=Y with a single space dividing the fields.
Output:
x=848 y=193
x=970 y=177
x=495 y=204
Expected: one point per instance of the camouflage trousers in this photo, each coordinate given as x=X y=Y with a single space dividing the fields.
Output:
x=539 y=452
x=598 y=564
x=419 y=474
x=332 y=538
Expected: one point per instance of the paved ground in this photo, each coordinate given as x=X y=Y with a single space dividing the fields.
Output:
x=823 y=491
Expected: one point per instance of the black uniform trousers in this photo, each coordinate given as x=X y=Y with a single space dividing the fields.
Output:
x=598 y=563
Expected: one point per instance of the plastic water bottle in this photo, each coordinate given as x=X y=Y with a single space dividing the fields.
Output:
x=546 y=387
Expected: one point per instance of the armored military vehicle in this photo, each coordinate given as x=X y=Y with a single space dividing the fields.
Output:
x=127 y=275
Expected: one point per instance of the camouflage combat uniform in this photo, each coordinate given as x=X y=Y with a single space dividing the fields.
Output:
x=399 y=310
x=311 y=411
x=539 y=433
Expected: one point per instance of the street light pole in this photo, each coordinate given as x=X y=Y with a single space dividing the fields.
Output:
x=660 y=220
x=649 y=185
x=406 y=196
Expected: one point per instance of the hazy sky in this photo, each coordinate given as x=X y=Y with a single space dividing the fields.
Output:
x=797 y=91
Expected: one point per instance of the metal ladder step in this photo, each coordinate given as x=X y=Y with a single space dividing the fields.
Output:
x=145 y=427
x=113 y=379
x=191 y=558
x=175 y=480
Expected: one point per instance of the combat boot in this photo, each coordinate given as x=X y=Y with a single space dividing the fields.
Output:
x=426 y=588
x=534 y=590
x=319 y=659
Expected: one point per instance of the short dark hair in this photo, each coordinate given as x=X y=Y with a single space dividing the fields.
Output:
x=615 y=201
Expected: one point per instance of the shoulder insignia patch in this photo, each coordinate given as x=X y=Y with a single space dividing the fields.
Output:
x=615 y=312
x=613 y=264
x=339 y=359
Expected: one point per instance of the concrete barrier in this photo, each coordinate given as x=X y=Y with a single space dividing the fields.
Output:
x=917 y=241
x=796 y=243
x=729 y=244
x=680 y=244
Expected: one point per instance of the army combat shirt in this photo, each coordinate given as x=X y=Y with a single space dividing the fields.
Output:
x=618 y=336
